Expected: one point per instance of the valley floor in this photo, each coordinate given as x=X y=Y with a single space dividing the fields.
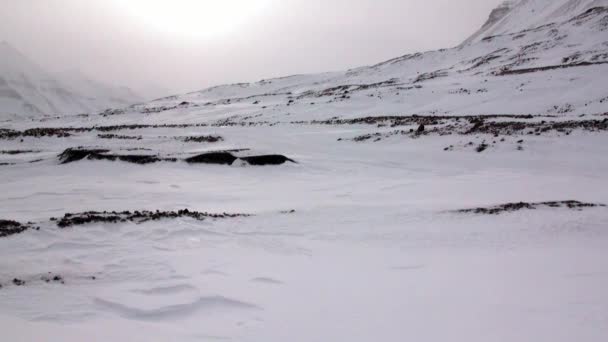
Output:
x=358 y=241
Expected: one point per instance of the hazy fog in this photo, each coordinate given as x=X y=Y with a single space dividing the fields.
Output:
x=120 y=42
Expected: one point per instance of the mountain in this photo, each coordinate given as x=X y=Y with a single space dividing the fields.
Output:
x=532 y=56
x=27 y=89
x=451 y=195
x=515 y=16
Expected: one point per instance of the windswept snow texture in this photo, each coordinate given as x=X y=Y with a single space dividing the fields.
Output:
x=453 y=195
x=28 y=90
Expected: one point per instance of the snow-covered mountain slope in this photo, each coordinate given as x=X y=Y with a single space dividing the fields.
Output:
x=531 y=57
x=27 y=89
x=514 y=16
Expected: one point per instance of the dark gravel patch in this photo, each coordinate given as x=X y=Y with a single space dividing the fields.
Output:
x=10 y=227
x=119 y=137
x=70 y=220
x=202 y=139
x=511 y=207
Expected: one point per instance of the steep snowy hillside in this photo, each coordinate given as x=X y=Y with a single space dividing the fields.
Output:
x=26 y=89
x=514 y=16
x=451 y=195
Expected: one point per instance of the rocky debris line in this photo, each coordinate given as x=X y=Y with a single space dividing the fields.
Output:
x=9 y=227
x=64 y=132
x=49 y=278
x=202 y=139
x=76 y=154
x=15 y=152
x=344 y=91
x=431 y=75
x=507 y=71
x=257 y=98
x=219 y=158
x=511 y=207
x=10 y=134
x=54 y=278
x=588 y=15
x=474 y=126
x=119 y=137
x=110 y=112
x=78 y=219
x=227 y=158
x=149 y=110
x=409 y=120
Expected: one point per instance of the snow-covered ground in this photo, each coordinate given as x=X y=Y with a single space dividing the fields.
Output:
x=372 y=252
x=363 y=238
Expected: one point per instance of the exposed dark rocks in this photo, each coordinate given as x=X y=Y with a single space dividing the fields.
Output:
x=227 y=158
x=514 y=127
x=119 y=137
x=507 y=71
x=588 y=14
x=431 y=75
x=63 y=132
x=483 y=60
x=271 y=159
x=49 y=278
x=110 y=112
x=52 y=278
x=34 y=133
x=511 y=207
x=469 y=125
x=9 y=227
x=18 y=282
x=71 y=155
x=409 y=120
x=220 y=158
x=69 y=220
x=202 y=139
x=14 y=152
x=76 y=154
x=482 y=147
x=342 y=90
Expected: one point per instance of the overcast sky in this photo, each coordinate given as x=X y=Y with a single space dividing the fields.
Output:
x=186 y=45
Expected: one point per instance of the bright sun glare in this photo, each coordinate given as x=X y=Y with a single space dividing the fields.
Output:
x=193 y=18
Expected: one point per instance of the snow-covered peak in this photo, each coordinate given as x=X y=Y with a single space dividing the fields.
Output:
x=519 y=15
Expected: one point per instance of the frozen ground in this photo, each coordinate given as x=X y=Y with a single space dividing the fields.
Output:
x=361 y=239
x=373 y=250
